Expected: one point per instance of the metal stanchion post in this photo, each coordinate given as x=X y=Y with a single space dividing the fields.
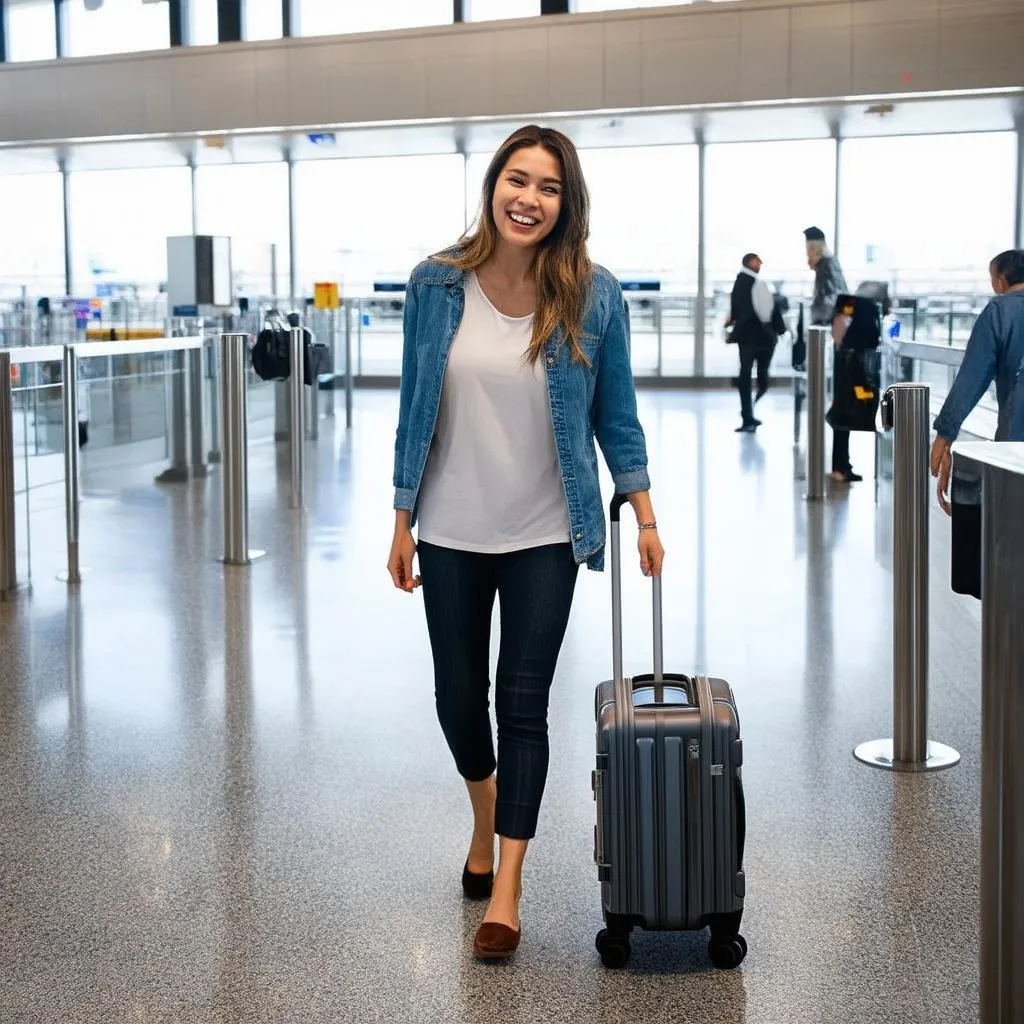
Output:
x=178 y=469
x=798 y=406
x=817 y=340
x=8 y=548
x=348 y=367
x=905 y=410
x=213 y=375
x=333 y=348
x=359 y=337
x=297 y=425
x=234 y=402
x=313 y=408
x=71 y=496
x=195 y=406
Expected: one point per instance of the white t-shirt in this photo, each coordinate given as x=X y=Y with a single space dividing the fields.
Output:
x=492 y=482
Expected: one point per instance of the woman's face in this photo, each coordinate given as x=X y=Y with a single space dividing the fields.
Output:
x=528 y=197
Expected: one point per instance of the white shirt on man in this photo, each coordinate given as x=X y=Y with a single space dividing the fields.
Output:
x=762 y=296
x=492 y=482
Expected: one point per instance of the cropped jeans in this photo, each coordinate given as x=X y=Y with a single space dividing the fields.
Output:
x=534 y=588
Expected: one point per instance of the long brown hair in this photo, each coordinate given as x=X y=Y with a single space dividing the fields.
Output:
x=561 y=267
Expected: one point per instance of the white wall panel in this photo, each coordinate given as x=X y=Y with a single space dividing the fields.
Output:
x=714 y=53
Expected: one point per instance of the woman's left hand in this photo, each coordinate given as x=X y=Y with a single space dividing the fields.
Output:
x=652 y=554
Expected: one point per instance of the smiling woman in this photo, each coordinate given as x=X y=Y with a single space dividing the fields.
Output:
x=516 y=357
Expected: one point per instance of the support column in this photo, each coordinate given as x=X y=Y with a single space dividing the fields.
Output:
x=58 y=27
x=289 y=27
x=554 y=6
x=459 y=11
x=192 y=186
x=293 y=274
x=837 y=209
x=66 y=191
x=1018 y=227
x=3 y=31
x=700 y=304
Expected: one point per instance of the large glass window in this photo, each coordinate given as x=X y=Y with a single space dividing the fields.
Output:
x=204 y=28
x=32 y=213
x=249 y=204
x=362 y=220
x=120 y=223
x=927 y=213
x=317 y=18
x=643 y=219
x=760 y=196
x=495 y=10
x=31 y=30
x=119 y=26
x=262 y=19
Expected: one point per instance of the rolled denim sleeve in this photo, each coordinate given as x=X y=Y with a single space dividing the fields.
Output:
x=404 y=493
x=616 y=424
x=976 y=373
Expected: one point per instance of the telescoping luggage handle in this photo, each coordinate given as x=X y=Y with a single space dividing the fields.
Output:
x=659 y=639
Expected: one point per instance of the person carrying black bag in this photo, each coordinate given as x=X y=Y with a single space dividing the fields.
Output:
x=829 y=284
x=751 y=310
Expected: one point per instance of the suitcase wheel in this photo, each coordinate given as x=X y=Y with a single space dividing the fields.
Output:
x=614 y=949
x=727 y=952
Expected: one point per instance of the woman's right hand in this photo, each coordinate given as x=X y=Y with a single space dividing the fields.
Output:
x=403 y=550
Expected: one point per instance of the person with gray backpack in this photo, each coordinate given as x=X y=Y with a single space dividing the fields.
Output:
x=995 y=351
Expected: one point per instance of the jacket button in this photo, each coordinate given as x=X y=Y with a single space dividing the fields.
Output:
x=551 y=360
x=579 y=536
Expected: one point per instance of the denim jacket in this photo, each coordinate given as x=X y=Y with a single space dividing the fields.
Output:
x=585 y=401
x=995 y=350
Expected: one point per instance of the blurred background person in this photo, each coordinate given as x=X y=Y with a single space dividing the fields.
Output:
x=995 y=351
x=750 y=318
x=829 y=284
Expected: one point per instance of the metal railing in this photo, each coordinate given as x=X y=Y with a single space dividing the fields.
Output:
x=664 y=325
x=28 y=365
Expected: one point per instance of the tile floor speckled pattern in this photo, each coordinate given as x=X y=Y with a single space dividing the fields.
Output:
x=224 y=795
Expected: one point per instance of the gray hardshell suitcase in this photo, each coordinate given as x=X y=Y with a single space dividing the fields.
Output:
x=670 y=812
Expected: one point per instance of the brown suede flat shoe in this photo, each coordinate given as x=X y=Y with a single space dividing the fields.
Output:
x=496 y=941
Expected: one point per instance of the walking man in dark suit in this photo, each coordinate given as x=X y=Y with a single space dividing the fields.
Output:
x=750 y=314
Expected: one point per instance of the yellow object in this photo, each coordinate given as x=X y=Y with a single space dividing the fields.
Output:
x=862 y=393
x=325 y=295
x=123 y=333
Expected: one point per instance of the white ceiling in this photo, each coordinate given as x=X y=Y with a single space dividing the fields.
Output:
x=1000 y=110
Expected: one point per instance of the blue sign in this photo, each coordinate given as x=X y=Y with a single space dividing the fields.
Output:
x=185 y=311
x=322 y=138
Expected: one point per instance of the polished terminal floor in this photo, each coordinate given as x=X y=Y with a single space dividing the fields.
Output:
x=224 y=795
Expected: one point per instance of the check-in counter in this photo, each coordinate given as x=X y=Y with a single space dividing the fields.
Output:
x=994 y=474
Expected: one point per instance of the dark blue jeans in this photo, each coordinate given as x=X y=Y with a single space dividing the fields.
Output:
x=534 y=588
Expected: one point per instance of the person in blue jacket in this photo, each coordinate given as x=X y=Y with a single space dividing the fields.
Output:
x=516 y=356
x=995 y=351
